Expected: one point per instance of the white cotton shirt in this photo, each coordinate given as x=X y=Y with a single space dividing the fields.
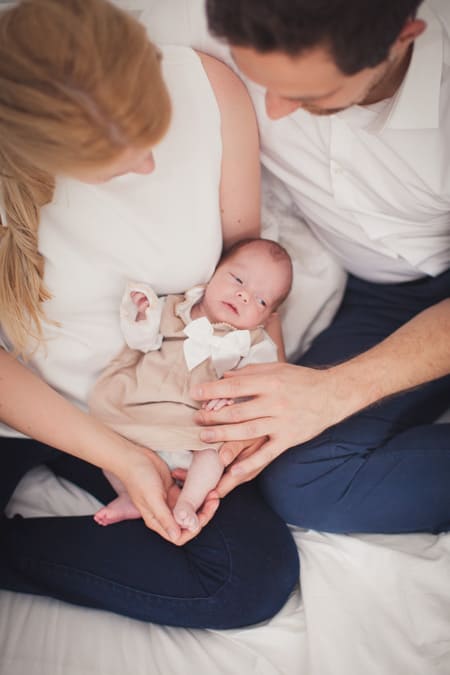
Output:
x=373 y=182
x=163 y=229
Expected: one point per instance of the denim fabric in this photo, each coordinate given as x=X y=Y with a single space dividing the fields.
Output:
x=386 y=469
x=239 y=570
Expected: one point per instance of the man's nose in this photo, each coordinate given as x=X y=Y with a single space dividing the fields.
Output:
x=277 y=107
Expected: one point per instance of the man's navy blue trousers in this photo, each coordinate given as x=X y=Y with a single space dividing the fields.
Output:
x=387 y=468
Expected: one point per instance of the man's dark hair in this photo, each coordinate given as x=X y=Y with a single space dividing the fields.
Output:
x=358 y=33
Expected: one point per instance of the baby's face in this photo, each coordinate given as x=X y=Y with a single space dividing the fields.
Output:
x=245 y=289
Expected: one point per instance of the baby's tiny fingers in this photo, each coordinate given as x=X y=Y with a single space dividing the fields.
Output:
x=211 y=405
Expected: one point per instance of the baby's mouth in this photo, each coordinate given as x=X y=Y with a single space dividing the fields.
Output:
x=232 y=307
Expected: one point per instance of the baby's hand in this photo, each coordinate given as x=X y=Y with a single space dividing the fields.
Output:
x=217 y=403
x=141 y=302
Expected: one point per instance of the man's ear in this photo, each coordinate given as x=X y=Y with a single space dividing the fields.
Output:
x=411 y=31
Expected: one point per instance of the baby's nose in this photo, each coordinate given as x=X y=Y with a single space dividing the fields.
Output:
x=243 y=296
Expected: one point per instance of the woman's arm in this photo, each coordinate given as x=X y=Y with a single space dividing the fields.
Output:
x=274 y=330
x=29 y=405
x=240 y=179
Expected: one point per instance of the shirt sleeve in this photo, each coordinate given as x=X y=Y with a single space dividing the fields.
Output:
x=142 y=335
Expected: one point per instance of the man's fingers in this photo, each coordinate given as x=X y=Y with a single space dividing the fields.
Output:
x=251 y=466
x=231 y=387
x=208 y=510
x=227 y=483
x=229 y=451
x=254 y=447
x=229 y=414
x=236 y=432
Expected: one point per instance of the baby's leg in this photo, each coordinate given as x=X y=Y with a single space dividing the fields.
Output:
x=202 y=476
x=121 y=508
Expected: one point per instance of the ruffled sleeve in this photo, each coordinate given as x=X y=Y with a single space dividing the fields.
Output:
x=142 y=335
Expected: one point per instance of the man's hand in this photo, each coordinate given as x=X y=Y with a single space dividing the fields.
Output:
x=288 y=404
x=292 y=404
x=232 y=454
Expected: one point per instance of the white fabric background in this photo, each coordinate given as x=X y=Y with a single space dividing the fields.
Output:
x=369 y=604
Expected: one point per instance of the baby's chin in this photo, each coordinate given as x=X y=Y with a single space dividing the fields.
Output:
x=229 y=321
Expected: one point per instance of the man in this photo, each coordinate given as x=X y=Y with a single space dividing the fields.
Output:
x=357 y=125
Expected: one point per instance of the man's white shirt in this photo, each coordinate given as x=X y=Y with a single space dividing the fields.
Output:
x=373 y=182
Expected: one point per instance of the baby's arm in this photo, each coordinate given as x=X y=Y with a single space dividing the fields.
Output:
x=273 y=329
x=142 y=303
x=140 y=317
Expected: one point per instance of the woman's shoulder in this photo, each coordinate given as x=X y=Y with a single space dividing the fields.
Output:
x=225 y=83
x=227 y=86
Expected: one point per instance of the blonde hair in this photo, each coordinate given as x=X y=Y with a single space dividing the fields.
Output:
x=79 y=83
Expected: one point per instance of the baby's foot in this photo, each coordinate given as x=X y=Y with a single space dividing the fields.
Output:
x=121 y=508
x=184 y=514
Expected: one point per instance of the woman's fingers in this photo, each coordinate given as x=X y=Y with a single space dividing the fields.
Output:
x=158 y=517
x=205 y=514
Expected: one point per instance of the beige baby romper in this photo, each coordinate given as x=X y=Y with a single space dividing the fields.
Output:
x=144 y=395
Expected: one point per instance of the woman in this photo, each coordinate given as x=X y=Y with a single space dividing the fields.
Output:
x=85 y=115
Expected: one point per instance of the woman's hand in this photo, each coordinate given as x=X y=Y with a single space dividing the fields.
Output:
x=154 y=492
x=25 y=400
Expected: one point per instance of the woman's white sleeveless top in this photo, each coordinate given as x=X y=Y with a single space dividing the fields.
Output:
x=163 y=229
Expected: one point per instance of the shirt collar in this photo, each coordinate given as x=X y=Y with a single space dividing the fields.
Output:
x=416 y=103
